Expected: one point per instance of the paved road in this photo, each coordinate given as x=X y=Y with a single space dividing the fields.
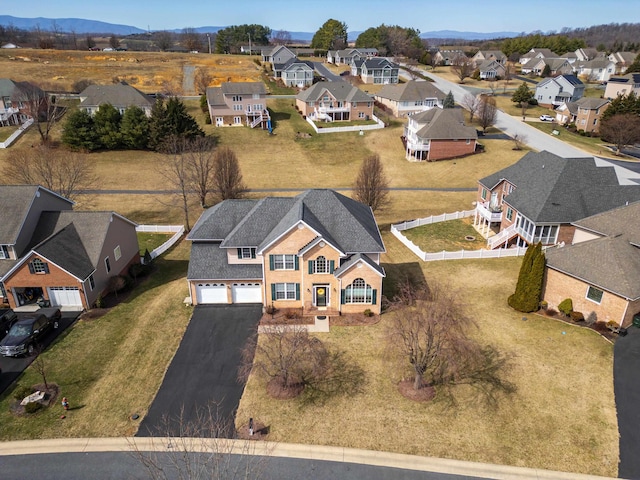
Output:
x=626 y=365
x=204 y=371
x=12 y=367
x=325 y=72
x=188 y=76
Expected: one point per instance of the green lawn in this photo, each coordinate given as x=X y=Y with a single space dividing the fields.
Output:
x=449 y=236
x=6 y=132
x=351 y=123
x=151 y=241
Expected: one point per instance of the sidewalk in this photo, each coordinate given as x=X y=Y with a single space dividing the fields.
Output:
x=310 y=452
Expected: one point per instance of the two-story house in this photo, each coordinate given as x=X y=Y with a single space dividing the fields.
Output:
x=15 y=101
x=599 y=69
x=536 y=53
x=238 y=104
x=318 y=252
x=379 y=71
x=121 y=96
x=449 y=57
x=553 y=92
x=585 y=113
x=348 y=55
x=539 y=197
x=277 y=56
x=491 y=70
x=438 y=134
x=482 y=55
x=600 y=270
x=50 y=253
x=297 y=73
x=622 y=60
x=334 y=101
x=623 y=85
x=410 y=97
x=556 y=66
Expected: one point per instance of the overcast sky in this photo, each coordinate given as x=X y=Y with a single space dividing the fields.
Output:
x=309 y=15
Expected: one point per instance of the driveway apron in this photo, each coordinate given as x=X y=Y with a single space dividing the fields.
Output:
x=626 y=380
x=204 y=370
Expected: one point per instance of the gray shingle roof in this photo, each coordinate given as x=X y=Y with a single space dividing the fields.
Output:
x=620 y=221
x=119 y=95
x=243 y=88
x=591 y=103
x=378 y=63
x=443 y=124
x=209 y=262
x=15 y=201
x=66 y=249
x=348 y=263
x=341 y=91
x=217 y=222
x=215 y=97
x=552 y=189
x=411 y=91
x=296 y=62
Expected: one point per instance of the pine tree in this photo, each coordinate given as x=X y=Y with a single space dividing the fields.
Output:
x=158 y=128
x=106 y=124
x=78 y=132
x=449 y=101
x=526 y=298
x=134 y=128
x=179 y=122
x=522 y=94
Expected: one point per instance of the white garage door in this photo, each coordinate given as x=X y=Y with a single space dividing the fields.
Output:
x=64 y=296
x=211 y=293
x=247 y=293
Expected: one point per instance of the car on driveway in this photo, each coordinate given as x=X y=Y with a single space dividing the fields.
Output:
x=26 y=334
x=546 y=118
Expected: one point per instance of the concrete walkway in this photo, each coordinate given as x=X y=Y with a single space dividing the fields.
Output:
x=288 y=450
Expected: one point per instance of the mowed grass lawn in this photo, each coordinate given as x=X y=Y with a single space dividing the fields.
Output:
x=562 y=416
x=449 y=236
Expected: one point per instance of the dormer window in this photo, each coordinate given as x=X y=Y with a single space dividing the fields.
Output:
x=4 y=251
x=246 y=253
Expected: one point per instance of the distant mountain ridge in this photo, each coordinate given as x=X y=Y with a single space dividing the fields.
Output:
x=79 y=25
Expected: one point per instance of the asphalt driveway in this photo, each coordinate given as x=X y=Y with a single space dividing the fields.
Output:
x=626 y=382
x=204 y=370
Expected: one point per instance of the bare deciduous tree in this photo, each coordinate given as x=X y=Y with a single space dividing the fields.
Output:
x=462 y=67
x=471 y=103
x=519 y=140
x=191 y=39
x=175 y=170
x=281 y=37
x=371 y=186
x=201 y=164
x=164 y=40
x=487 y=111
x=227 y=179
x=202 y=80
x=44 y=109
x=66 y=173
x=202 y=448
x=621 y=130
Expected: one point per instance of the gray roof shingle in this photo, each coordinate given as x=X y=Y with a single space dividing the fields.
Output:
x=15 y=202
x=411 y=91
x=119 y=95
x=209 y=262
x=443 y=124
x=341 y=91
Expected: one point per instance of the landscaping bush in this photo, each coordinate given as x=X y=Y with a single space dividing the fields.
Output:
x=526 y=298
x=566 y=306
x=270 y=309
x=137 y=270
x=544 y=304
x=204 y=106
x=551 y=312
x=577 y=316
x=32 y=407
x=290 y=314
x=368 y=313
x=21 y=392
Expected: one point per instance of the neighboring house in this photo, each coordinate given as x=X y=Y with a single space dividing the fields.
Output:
x=50 y=252
x=297 y=73
x=536 y=53
x=14 y=105
x=410 y=97
x=596 y=70
x=379 y=71
x=277 y=56
x=539 y=197
x=334 y=101
x=600 y=270
x=623 y=85
x=346 y=56
x=238 y=104
x=557 y=66
x=622 y=60
x=554 y=91
x=585 y=113
x=448 y=57
x=438 y=134
x=491 y=70
x=318 y=252
x=570 y=56
x=121 y=96
x=483 y=55
x=586 y=54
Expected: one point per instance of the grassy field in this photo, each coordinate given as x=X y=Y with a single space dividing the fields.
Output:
x=594 y=145
x=449 y=236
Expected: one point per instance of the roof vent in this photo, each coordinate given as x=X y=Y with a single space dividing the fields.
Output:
x=542 y=166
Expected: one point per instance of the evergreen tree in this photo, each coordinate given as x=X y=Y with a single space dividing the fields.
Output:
x=522 y=94
x=106 y=125
x=179 y=122
x=635 y=66
x=158 y=128
x=526 y=298
x=331 y=36
x=134 y=128
x=546 y=71
x=448 y=101
x=78 y=132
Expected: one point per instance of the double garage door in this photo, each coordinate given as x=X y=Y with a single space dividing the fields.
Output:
x=246 y=292
x=64 y=296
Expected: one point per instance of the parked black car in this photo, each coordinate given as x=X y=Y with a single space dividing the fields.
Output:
x=24 y=335
x=7 y=318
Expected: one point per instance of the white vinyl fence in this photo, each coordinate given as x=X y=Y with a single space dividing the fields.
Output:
x=353 y=128
x=177 y=230
x=21 y=129
x=444 y=255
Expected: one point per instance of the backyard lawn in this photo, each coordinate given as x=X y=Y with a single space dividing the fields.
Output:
x=450 y=236
x=6 y=132
x=151 y=241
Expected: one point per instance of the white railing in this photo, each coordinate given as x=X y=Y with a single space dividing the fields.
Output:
x=17 y=133
x=502 y=236
x=177 y=230
x=353 y=128
x=433 y=219
x=489 y=213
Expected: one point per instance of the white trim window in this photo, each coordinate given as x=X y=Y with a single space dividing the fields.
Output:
x=594 y=294
x=246 y=253
x=358 y=292
x=285 y=291
x=237 y=120
x=92 y=282
x=284 y=262
x=321 y=265
x=117 y=253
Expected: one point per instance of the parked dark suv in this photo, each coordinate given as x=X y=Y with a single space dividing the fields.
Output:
x=7 y=318
x=24 y=335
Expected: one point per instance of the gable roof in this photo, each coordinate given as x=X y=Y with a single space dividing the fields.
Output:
x=611 y=262
x=243 y=88
x=119 y=95
x=296 y=63
x=15 y=203
x=339 y=90
x=552 y=189
x=207 y=261
x=410 y=91
x=377 y=63
x=345 y=223
x=591 y=103
x=556 y=63
x=354 y=260
x=600 y=62
x=443 y=124
x=490 y=63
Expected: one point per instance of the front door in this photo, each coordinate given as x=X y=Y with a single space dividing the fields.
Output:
x=321 y=293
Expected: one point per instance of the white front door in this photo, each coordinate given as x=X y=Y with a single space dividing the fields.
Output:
x=64 y=296
x=246 y=292
x=219 y=121
x=211 y=293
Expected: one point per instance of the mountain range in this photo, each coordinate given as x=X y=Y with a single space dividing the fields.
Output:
x=80 y=25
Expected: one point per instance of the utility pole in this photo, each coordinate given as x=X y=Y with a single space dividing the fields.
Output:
x=249 y=33
x=209 y=40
